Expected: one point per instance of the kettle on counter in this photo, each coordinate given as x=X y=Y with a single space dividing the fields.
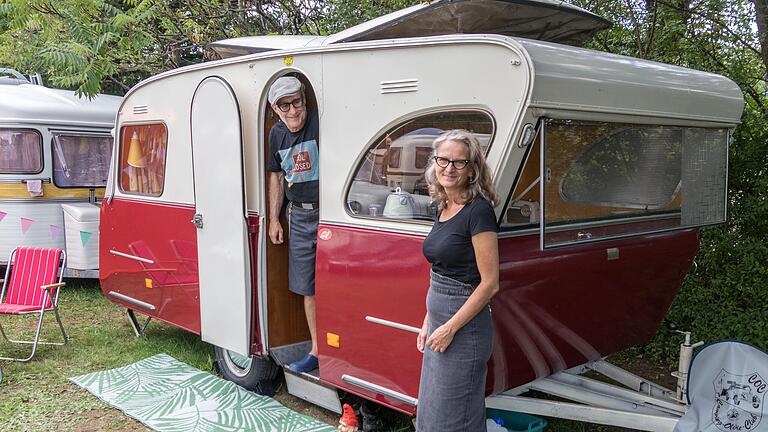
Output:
x=399 y=205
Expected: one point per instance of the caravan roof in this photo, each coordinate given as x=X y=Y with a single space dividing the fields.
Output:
x=29 y=103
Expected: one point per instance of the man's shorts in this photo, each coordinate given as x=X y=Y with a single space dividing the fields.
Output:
x=302 y=249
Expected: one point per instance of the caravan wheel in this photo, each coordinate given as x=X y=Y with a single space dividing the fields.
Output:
x=255 y=373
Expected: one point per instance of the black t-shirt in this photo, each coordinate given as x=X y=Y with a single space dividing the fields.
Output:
x=449 y=245
x=296 y=155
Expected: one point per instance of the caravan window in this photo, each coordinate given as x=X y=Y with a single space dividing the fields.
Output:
x=389 y=181
x=607 y=180
x=21 y=151
x=81 y=160
x=142 y=158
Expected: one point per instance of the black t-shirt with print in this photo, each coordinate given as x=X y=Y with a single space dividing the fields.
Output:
x=296 y=155
x=449 y=245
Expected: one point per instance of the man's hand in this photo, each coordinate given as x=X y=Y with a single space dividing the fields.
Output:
x=440 y=338
x=275 y=232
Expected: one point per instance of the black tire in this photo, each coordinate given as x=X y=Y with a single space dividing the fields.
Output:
x=257 y=374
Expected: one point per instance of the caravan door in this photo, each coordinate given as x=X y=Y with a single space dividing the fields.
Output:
x=220 y=216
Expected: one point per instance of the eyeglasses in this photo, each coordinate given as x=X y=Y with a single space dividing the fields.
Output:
x=459 y=164
x=286 y=106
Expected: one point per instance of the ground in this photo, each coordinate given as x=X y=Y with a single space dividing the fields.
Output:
x=37 y=395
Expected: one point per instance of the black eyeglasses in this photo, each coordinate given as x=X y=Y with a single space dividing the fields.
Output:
x=286 y=106
x=459 y=164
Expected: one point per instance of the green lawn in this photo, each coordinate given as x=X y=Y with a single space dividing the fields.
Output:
x=38 y=396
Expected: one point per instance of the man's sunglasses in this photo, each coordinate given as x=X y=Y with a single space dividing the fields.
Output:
x=459 y=164
x=286 y=106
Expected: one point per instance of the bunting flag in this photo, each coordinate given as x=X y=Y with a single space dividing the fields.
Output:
x=2 y=215
x=85 y=236
x=55 y=231
x=26 y=224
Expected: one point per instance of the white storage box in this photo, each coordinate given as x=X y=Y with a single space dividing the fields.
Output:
x=81 y=229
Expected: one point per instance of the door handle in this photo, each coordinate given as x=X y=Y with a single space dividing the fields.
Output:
x=197 y=220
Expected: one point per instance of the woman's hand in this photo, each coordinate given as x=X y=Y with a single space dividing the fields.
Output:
x=421 y=339
x=441 y=338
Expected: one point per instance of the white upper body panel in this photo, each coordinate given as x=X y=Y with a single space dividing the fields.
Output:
x=29 y=103
x=514 y=80
x=577 y=79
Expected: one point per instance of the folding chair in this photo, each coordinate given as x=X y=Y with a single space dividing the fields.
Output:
x=31 y=286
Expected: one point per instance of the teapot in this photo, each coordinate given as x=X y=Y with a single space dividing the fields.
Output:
x=399 y=205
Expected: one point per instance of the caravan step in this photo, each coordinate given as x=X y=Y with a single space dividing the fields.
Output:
x=308 y=386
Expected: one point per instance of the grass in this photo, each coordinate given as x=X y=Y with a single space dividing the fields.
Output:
x=38 y=396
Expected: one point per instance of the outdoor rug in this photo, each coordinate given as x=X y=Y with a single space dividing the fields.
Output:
x=168 y=395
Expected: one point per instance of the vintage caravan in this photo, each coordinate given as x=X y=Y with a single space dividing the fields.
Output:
x=608 y=166
x=55 y=150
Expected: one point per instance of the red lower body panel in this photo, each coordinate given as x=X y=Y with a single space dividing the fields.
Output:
x=556 y=308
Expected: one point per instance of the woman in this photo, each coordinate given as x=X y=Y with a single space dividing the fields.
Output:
x=457 y=337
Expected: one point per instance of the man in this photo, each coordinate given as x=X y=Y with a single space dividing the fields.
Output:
x=294 y=173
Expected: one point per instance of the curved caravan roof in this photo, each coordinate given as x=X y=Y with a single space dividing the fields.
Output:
x=576 y=83
x=29 y=103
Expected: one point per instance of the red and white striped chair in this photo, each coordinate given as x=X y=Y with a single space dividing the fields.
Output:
x=31 y=286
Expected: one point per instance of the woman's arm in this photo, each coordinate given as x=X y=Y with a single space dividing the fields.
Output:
x=487 y=256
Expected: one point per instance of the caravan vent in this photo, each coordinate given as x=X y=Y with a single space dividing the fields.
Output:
x=400 y=86
x=140 y=109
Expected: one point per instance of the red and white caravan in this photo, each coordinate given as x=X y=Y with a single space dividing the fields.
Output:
x=608 y=164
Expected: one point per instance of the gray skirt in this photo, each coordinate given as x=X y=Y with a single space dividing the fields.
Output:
x=452 y=385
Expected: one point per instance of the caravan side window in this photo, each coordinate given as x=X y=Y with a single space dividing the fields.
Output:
x=81 y=160
x=142 y=158
x=607 y=180
x=21 y=151
x=389 y=181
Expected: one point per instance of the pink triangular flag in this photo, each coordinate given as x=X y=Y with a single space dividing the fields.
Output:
x=2 y=215
x=55 y=231
x=26 y=224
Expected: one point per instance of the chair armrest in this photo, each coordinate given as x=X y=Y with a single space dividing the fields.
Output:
x=46 y=287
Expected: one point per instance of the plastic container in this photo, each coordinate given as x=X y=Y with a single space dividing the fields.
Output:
x=81 y=233
x=517 y=422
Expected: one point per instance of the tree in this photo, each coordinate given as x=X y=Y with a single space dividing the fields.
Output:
x=97 y=45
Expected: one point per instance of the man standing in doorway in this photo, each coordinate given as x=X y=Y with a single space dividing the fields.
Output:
x=294 y=173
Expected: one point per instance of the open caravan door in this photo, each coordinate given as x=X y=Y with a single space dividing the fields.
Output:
x=220 y=217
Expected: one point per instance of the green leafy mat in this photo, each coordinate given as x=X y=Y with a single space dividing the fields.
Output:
x=168 y=395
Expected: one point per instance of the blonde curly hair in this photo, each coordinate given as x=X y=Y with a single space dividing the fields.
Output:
x=479 y=178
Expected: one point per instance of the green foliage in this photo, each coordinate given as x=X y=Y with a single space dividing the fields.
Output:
x=109 y=45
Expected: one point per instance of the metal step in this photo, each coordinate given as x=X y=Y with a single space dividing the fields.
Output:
x=287 y=354
x=308 y=386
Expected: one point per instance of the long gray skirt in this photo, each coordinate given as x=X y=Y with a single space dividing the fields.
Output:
x=452 y=386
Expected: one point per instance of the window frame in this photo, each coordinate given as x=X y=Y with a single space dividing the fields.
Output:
x=119 y=153
x=40 y=152
x=391 y=127
x=77 y=134
x=618 y=220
